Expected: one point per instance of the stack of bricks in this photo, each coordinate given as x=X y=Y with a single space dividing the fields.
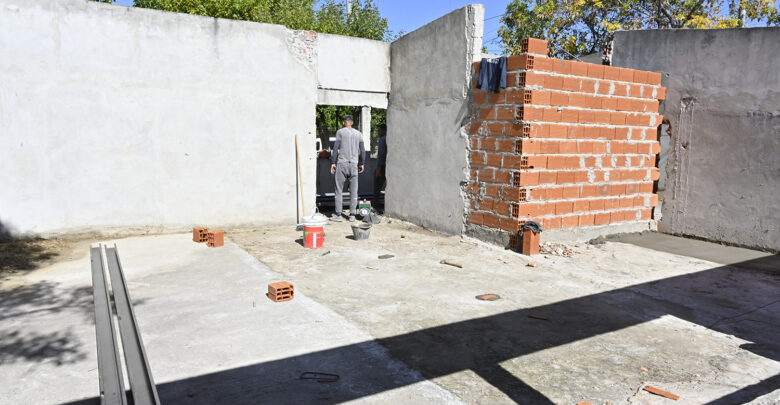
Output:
x=566 y=144
x=281 y=291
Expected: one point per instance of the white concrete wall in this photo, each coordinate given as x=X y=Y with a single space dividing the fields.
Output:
x=722 y=161
x=427 y=159
x=117 y=117
x=349 y=63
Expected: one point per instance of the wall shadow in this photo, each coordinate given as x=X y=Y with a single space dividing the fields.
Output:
x=720 y=299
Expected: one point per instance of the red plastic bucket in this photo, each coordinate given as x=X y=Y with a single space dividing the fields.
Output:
x=313 y=236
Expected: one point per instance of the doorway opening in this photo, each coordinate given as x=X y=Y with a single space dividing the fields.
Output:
x=367 y=120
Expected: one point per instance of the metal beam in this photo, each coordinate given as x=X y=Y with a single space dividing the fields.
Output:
x=112 y=386
x=138 y=371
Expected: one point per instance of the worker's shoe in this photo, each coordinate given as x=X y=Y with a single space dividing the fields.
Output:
x=352 y=218
x=336 y=217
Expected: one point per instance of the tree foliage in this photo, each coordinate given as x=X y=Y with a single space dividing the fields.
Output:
x=579 y=27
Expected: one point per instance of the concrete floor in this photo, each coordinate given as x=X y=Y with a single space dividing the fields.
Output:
x=406 y=329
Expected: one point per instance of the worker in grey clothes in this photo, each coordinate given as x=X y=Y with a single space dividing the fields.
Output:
x=349 y=153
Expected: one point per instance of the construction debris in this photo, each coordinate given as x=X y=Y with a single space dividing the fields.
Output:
x=584 y=403
x=656 y=391
x=532 y=263
x=386 y=256
x=643 y=369
x=403 y=234
x=488 y=297
x=544 y=318
x=557 y=249
x=451 y=263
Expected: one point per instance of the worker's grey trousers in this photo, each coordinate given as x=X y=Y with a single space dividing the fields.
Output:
x=346 y=171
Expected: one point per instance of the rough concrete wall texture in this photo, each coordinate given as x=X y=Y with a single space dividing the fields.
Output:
x=116 y=117
x=567 y=144
x=723 y=108
x=427 y=159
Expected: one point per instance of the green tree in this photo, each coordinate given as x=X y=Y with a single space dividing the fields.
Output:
x=579 y=27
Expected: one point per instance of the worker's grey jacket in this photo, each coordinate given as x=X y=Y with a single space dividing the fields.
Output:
x=349 y=147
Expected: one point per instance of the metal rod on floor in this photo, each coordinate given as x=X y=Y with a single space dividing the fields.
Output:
x=138 y=371
x=112 y=386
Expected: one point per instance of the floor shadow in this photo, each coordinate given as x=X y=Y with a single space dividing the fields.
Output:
x=61 y=347
x=37 y=302
x=720 y=299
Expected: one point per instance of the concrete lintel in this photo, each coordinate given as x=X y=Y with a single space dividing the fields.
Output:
x=351 y=97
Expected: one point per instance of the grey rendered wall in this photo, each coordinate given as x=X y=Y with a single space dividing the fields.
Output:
x=722 y=159
x=429 y=101
x=117 y=117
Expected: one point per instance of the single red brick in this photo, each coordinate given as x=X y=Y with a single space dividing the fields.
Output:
x=556 y=162
x=557 y=131
x=495 y=128
x=617 y=118
x=493 y=159
x=559 y=98
x=567 y=147
x=477 y=158
x=571 y=84
x=579 y=68
x=529 y=178
x=552 y=223
x=565 y=177
x=553 y=82
x=612 y=73
x=475 y=218
x=654 y=78
x=487 y=113
x=602 y=117
x=588 y=85
x=505 y=113
x=502 y=176
x=552 y=114
x=655 y=148
x=479 y=97
x=570 y=115
x=530 y=146
x=491 y=220
x=626 y=75
x=561 y=66
x=216 y=239
x=510 y=225
x=601 y=218
x=607 y=133
x=548 y=177
x=586 y=219
x=660 y=93
x=595 y=71
x=570 y=192
x=548 y=147
x=530 y=242
x=505 y=145
x=534 y=46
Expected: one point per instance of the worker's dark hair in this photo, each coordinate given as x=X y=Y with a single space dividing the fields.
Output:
x=383 y=126
x=346 y=117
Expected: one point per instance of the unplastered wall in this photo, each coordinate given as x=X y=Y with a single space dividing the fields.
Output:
x=722 y=158
x=427 y=160
x=567 y=144
x=117 y=117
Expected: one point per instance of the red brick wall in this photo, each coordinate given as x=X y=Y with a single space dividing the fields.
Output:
x=566 y=144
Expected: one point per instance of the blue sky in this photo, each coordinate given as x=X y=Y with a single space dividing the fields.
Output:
x=408 y=15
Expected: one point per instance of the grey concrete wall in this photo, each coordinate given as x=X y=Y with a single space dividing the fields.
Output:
x=722 y=161
x=117 y=117
x=427 y=157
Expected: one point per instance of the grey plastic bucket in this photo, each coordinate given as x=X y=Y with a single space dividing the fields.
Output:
x=361 y=231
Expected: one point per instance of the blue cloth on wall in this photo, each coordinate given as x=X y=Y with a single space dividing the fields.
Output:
x=492 y=74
